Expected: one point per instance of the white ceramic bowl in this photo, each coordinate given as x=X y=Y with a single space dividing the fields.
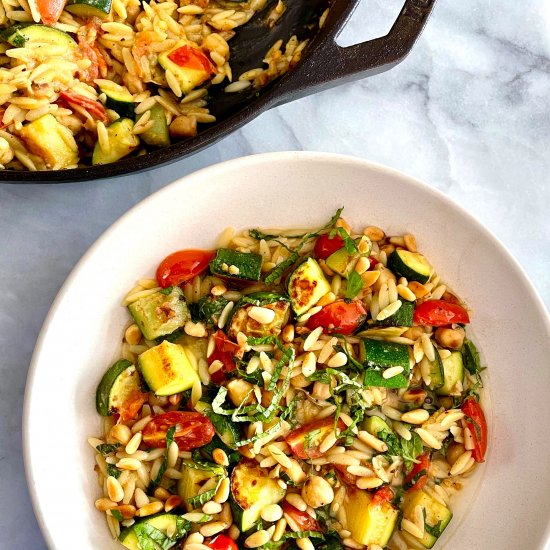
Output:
x=507 y=504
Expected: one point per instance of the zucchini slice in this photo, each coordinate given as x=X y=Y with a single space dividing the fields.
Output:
x=192 y=479
x=165 y=523
x=20 y=35
x=343 y=263
x=378 y=355
x=374 y=425
x=453 y=372
x=437 y=516
x=90 y=8
x=242 y=322
x=160 y=314
x=119 y=388
x=251 y=491
x=306 y=286
x=157 y=135
x=232 y=264
x=403 y=317
x=167 y=369
x=118 y=98
x=411 y=265
x=121 y=142
x=437 y=373
x=369 y=523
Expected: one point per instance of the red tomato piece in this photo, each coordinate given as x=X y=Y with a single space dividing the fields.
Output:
x=384 y=494
x=417 y=477
x=373 y=261
x=477 y=424
x=95 y=108
x=50 y=10
x=191 y=58
x=438 y=313
x=305 y=441
x=193 y=430
x=180 y=267
x=339 y=317
x=132 y=405
x=325 y=246
x=224 y=351
x=302 y=519
x=222 y=542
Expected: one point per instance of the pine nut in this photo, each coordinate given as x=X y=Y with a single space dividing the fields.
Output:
x=141 y=498
x=272 y=513
x=211 y=508
x=194 y=538
x=198 y=330
x=161 y=493
x=369 y=278
x=337 y=360
x=173 y=501
x=220 y=457
x=218 y=290
x=372 y=441
x=234 y=532
x=362 y=265
x=288 y=334
x=222 y=494
x=406 y=293
x=257 y=539
x=418 y=289
x=121 y=433
x=374 y=233
x=416 y=416
x=297 y=501
x=150 y=509
x=128 y=464
x=104 y=504
x=351 y=543
x=114 y=489
x=210 y=529
x=280 y=528
x=134 y=443
x=309 y=364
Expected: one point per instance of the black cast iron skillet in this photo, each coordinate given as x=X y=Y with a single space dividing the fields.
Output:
x=324 y=65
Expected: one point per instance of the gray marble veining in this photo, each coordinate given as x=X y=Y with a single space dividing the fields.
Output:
x=467 y=112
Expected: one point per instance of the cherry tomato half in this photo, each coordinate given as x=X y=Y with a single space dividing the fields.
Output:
x=305 y=441
x=438 y=313
x=224 y=351
x=182 y=266
x=384 y=494
x=325 y=246
x=417 y=477
x=50 y=10
x=193 y=430
x=302 y=519
x=192 y=58
x=339 y=317
x=222 y=542
x=477 y=424
x=95 y=108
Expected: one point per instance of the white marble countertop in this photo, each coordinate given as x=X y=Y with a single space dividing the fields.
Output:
x=467 y=112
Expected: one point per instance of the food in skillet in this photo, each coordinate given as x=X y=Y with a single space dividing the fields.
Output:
x=290 y=390
x=92 y=81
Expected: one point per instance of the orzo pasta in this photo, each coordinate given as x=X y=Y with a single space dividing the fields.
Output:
x=290 y=390
x=92 y=81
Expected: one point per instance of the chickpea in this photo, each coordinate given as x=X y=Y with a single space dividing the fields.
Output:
x=183 y=126
x=450 y=338
x=317 y=492
x=300 y=381
x=454 y=451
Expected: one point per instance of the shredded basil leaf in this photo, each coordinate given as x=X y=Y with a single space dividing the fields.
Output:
x=113 y=471
x=107 y=448
x=354 y=285
x=278 y=270
x=202 y=499
x=169 y=438
x=167 y=290
x=117 y=515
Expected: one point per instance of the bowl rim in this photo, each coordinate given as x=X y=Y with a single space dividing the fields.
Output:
x=295 y=157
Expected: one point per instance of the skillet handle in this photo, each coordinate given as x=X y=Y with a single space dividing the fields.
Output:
x=329 y=65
